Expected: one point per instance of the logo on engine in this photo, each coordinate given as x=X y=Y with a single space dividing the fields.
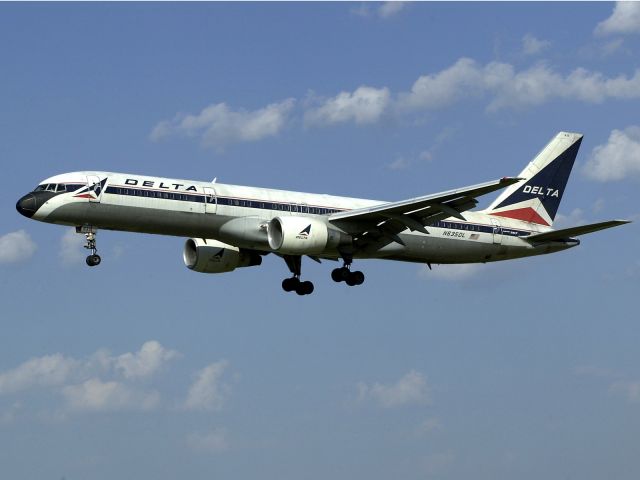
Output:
x=217 y=257
x=304 y=234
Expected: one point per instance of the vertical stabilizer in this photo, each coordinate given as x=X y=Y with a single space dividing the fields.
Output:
x=536 y=199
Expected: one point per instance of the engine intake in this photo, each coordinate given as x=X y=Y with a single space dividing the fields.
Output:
x=212 y=256
x=302 y=236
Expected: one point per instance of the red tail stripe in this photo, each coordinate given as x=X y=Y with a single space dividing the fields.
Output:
x=527 y=214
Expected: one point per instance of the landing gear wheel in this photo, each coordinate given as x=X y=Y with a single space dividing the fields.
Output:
x=93 y=260
x=304 y=288
x=294 y=284
x=340 y=274
x=290 y=284
x=355 y=278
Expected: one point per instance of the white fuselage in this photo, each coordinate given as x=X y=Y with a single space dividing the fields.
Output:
x=238 y=215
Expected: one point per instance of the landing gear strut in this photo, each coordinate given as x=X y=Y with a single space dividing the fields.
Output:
x=90 y=233
x=294 y=284
x=344 y=274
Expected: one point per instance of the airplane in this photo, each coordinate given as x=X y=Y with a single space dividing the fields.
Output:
x=230 y=226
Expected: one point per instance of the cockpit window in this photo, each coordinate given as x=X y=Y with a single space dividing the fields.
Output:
x=57 y=187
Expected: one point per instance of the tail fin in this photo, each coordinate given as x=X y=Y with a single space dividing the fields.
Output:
x=537 y=198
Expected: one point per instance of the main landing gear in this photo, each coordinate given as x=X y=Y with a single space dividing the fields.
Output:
x=344 y=274
x=90 y=233
x=294 y=284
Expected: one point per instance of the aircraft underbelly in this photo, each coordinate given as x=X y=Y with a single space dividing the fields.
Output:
x=138 y=219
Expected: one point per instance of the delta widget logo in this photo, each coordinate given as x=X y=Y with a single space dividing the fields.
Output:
x=91 y=191
x=304 y=234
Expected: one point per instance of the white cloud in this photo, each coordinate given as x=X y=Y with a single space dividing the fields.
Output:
x=49 y=370
x=364 y=105
x=532 y=45
x=72 y=251
x=218 y=125
x=148 y=360
x=16 y=247
x=436 y=464
x=411 y=389
x=425 y=156
x=402 y=162
x=498 y=83
x=399 y=163
x=508 y=88
x=628 y=389
x=618 y=159
x=208 y=392
x=611 y=47
x=79 y=382
x=361 y=10
x=384 y=11
x=430 y=425
x=540 y=84
x=431 y=91
x=624 y=19
x=96 y=395
x=388 y=9
x=592 y=371
x=452 y=273
x=576 y=217
x=214 y=441
x=598 y=205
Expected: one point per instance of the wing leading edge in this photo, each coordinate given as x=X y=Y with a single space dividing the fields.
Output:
x=379 y=225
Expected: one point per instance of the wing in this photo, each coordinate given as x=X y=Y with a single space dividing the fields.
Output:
x=374 y=227
x=567 y=233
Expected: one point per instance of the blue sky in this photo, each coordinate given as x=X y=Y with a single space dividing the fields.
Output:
x=143 y=369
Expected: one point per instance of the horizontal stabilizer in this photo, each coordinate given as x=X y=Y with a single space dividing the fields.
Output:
x=566 y=233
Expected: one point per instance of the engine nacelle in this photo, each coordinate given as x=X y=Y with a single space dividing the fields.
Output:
x=212 y=256
x=302 y=236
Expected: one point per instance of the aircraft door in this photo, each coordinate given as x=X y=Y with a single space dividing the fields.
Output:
x=497 y=232
x=210 y=201
x=95 y=188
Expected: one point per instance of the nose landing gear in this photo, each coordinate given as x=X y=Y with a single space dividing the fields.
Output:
x=90 y=233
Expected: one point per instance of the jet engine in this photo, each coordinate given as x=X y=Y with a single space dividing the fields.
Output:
x=212 y=256
x=302 y=236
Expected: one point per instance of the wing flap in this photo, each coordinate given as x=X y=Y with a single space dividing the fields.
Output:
x=566 y=233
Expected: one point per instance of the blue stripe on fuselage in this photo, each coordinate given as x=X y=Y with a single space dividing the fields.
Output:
x=293 y=207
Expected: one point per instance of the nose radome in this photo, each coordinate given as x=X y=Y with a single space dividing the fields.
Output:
x=27 y=205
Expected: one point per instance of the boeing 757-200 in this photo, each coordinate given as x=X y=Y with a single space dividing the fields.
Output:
x=231 y=226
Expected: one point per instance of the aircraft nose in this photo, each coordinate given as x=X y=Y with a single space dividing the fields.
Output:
x=27 y=205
